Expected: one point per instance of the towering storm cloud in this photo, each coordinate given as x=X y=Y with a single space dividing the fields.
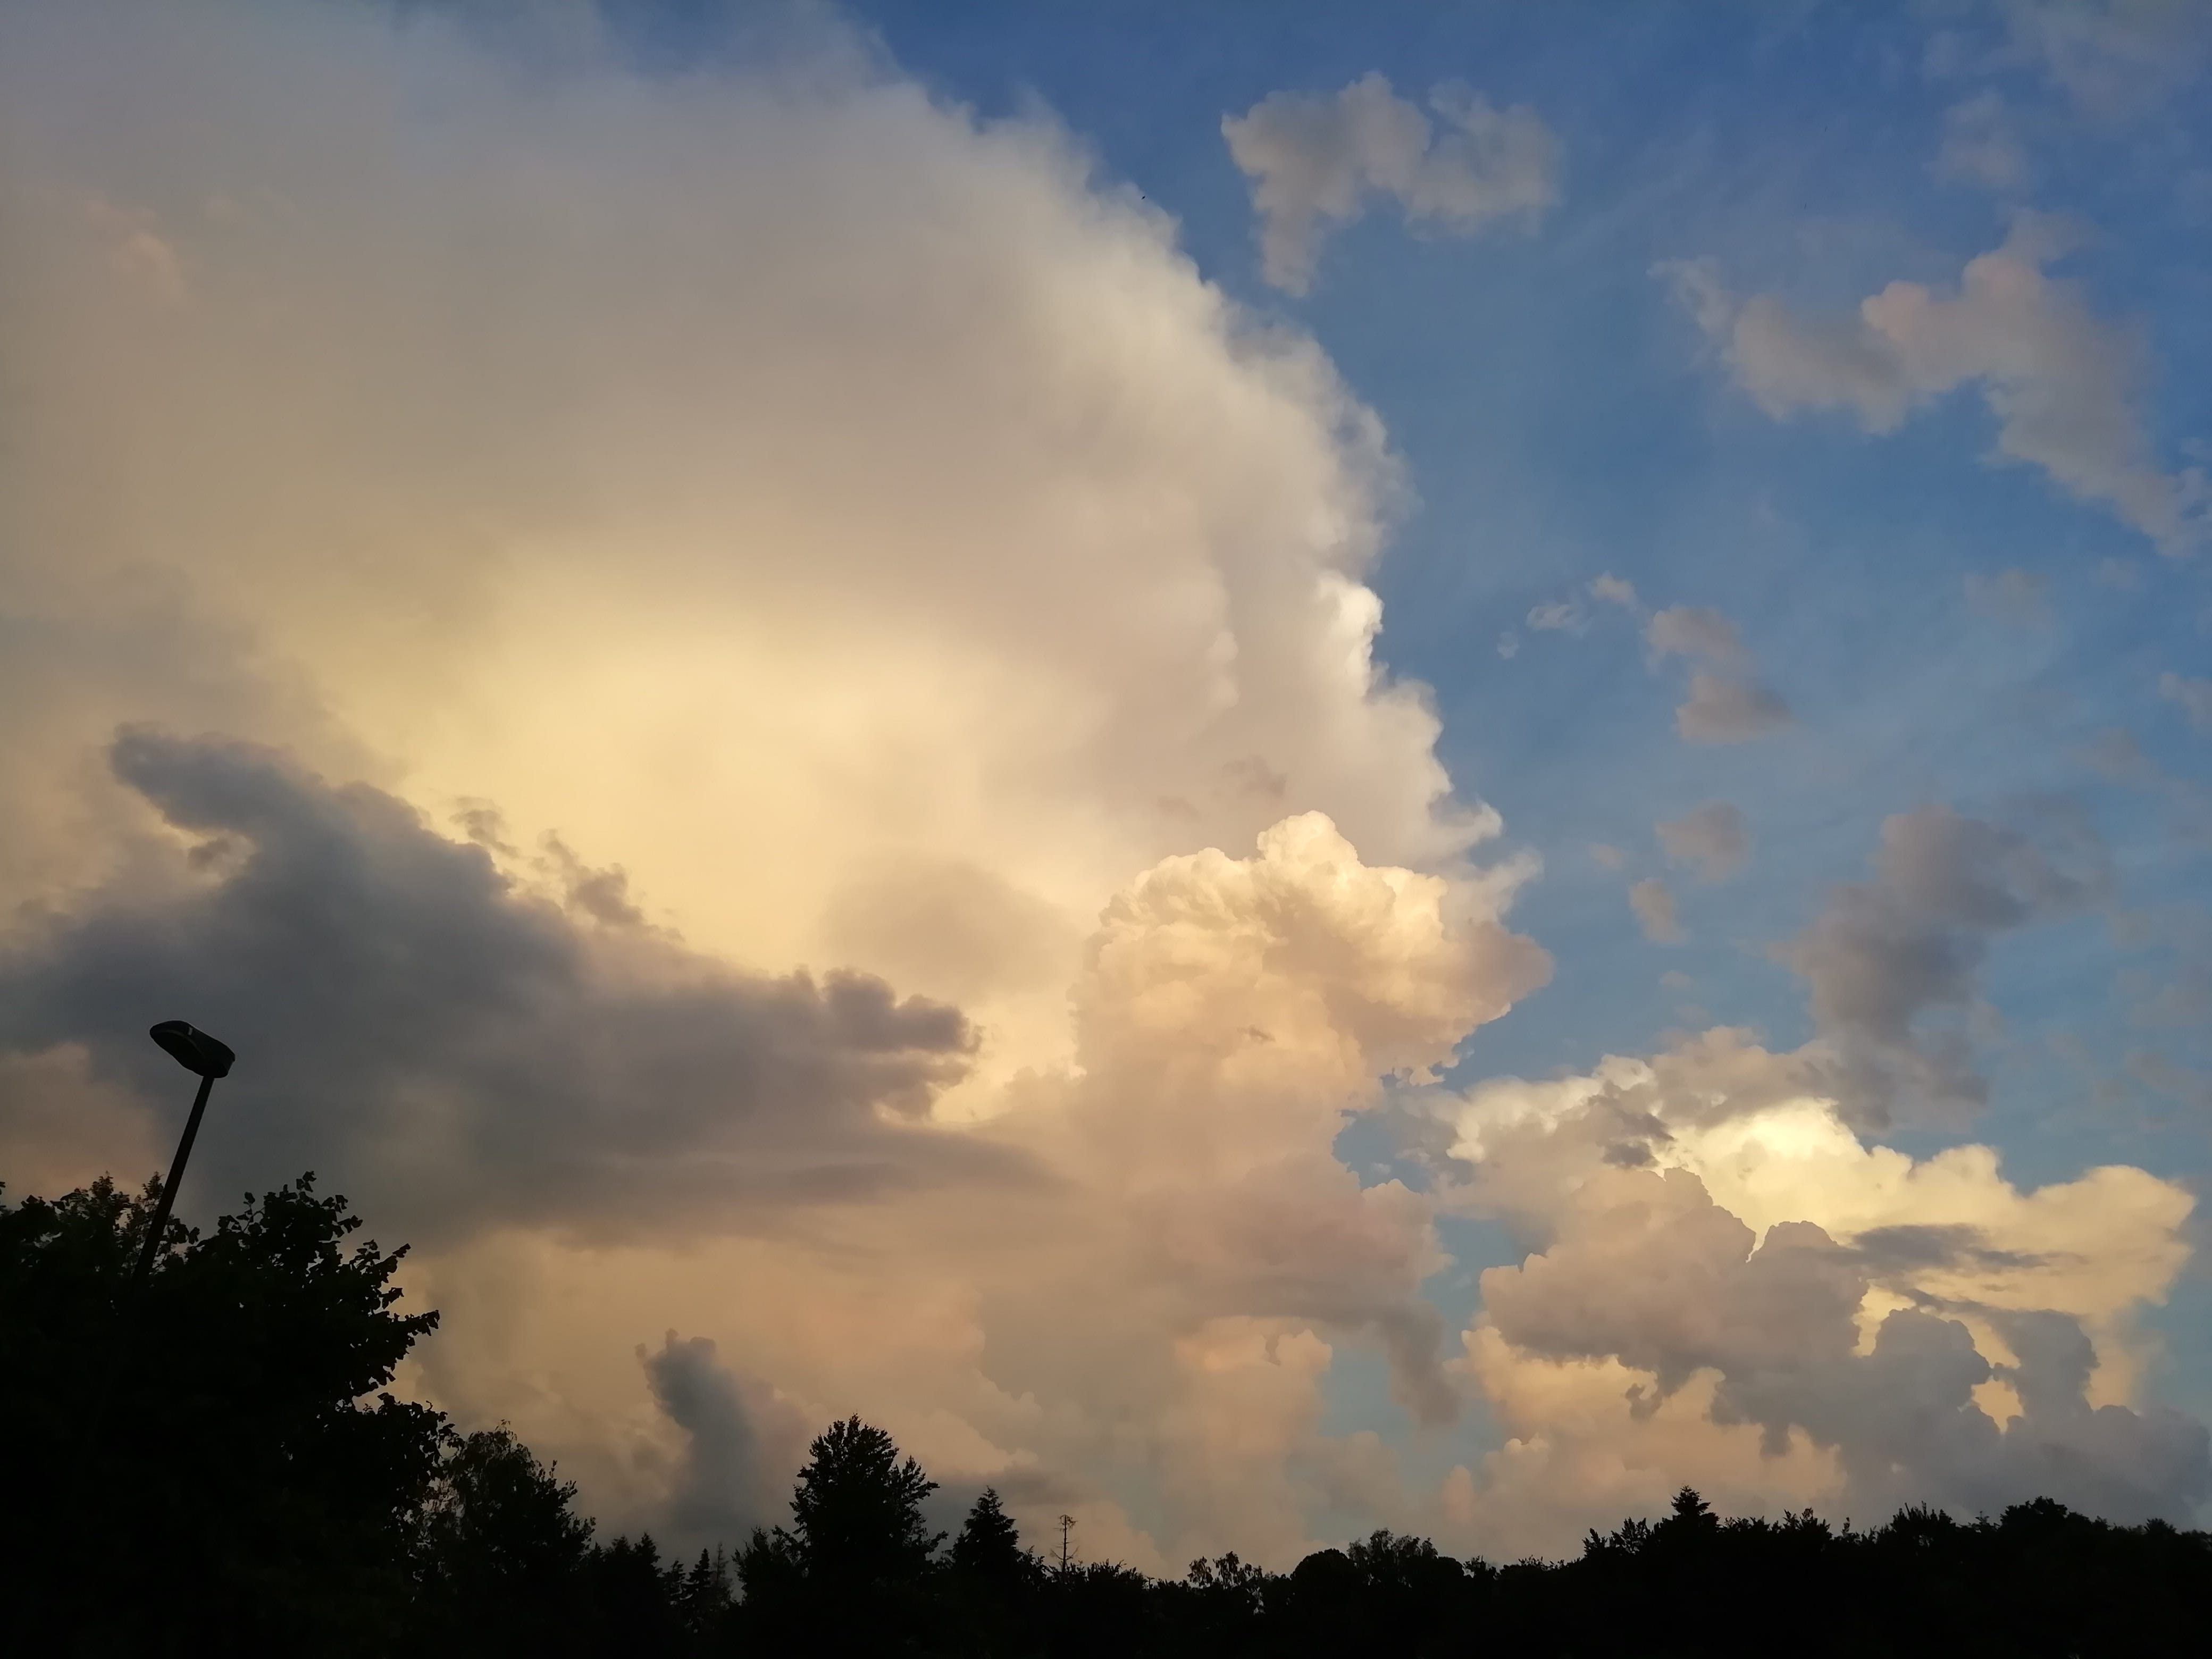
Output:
x=761 y=709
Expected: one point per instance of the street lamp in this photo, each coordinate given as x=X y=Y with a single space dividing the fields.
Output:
x=196 y=1052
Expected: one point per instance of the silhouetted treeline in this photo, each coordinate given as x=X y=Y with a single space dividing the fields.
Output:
x=211 y=1464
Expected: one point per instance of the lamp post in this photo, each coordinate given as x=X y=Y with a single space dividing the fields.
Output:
x=198 y=1053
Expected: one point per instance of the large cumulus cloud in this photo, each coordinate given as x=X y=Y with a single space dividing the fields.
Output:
x=861 y=522
x=1650 y=1271
x=863 y=525
x=1725 y=1283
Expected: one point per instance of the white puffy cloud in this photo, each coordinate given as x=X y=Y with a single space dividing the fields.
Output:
x=2061 y=382
x=1231 y=1012
x=1314 y=159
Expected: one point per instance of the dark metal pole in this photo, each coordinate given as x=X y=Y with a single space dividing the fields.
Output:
x=169 y=1187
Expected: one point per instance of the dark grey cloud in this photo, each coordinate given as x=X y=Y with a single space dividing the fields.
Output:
x=1915 y=1247
x=1883 y=955
x=743 y=1444
x=1648 y=1270
x=454 y=1049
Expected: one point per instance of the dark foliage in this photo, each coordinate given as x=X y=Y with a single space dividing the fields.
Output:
x=856 y=1564
x=212 y=1464
x=201 y=1459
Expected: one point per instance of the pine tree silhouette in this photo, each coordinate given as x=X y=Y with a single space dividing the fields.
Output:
x=990 y=1547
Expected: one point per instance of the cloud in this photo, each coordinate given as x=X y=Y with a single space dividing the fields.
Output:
x=648 y=475
x=1884 y=954
x=2115 y=58
x=1728 y=1287
x=1721 y=710
x=1714 y=837
x=1980 y=147
x=1655 y=911
x=1146 y=1238
x=1615 y=590
x=937 y=975
x=743 y=1445
x=2062 y=384
x=463 y=1051
x=1183 y=1285
x=1649 y=1272
x=1314 y=159
x=62 y=1124
x=2012 y=595
x=2192 y=697
x=1695 y=631
x=1726 y=704
x=1233 y=1012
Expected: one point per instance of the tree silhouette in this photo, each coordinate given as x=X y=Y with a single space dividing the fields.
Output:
x=857 y=1551
x=214 y=1463
x=993 y=1583
x=212 y=1434
x=856 y=1513
x=500 y=1549
x=988 y=1549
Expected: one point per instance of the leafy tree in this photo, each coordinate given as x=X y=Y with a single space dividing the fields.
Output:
x=857 y=1512
x=500 y=1549
x=213 y=1453
x=856 y=1554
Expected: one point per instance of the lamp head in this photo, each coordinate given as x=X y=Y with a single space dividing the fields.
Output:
x=193 y=1049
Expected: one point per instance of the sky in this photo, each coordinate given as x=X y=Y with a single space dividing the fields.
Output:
x=1273 y=770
